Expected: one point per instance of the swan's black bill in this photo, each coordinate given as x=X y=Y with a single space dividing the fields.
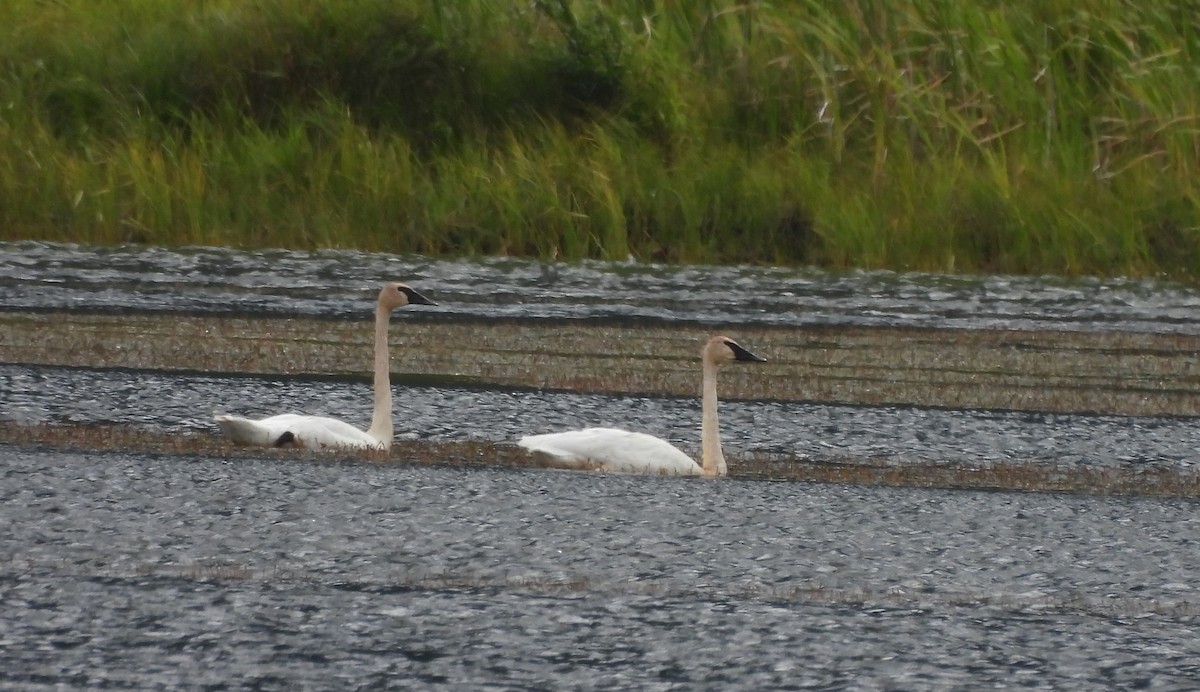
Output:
x=740 y=353
x=414 y=297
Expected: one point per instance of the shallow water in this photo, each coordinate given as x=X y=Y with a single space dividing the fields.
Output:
x=334 y=283
x=176 y=404
x=139 y=571
x=131 y=570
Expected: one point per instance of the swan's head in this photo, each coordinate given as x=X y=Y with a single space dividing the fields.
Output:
x=722 y=349
x=397 y=295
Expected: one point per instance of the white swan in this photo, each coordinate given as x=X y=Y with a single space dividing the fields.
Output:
x=611 y=449
x=317 y=432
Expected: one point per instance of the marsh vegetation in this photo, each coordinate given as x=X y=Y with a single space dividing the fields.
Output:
x=1057 y=138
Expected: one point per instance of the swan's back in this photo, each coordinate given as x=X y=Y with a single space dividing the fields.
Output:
x=260 y=433
x=317 y=432
x=610 y=449
x=313 y=432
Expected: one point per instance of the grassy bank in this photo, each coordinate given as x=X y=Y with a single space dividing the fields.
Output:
x=1055 y=137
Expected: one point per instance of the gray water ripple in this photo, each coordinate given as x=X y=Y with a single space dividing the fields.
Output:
x=147 y=571
x=181 y=403
x=144 y=571
x=329 y=283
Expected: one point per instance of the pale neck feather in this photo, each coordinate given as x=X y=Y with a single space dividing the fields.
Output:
x=712 y=460
x=381 y=417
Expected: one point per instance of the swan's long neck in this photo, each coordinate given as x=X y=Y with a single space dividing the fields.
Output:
x=712 y=460
x=381 y=416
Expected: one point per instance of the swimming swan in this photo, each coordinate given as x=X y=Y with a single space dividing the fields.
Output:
x=316 y=432
x=611 y=449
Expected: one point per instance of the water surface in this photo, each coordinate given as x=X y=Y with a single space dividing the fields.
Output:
x=334 y=284
x=134 y=570
x=142 y=571
x=183 y=404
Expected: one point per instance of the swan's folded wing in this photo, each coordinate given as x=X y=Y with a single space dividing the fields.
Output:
x=316 y=432
x=610 y=449
x=262 y=433
x=313 y=432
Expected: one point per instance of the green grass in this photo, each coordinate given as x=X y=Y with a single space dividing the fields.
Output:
x=1058 y=137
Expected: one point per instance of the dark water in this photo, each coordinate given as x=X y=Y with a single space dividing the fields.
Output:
x=155 y=571
x=176 y=403
x=145 y=571
x=334 y=283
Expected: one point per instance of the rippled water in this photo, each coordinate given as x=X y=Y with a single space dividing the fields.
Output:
x=333 y=283
x=142 y=571
x=184 y=403
x=128 y=570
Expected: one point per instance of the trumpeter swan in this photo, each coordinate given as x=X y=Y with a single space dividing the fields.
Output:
x=611 y=449
x=317 y=432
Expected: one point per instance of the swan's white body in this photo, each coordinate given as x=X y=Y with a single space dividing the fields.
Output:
x=318 y=432
x=622 y=451
x=315 y=432
x=611 y=449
